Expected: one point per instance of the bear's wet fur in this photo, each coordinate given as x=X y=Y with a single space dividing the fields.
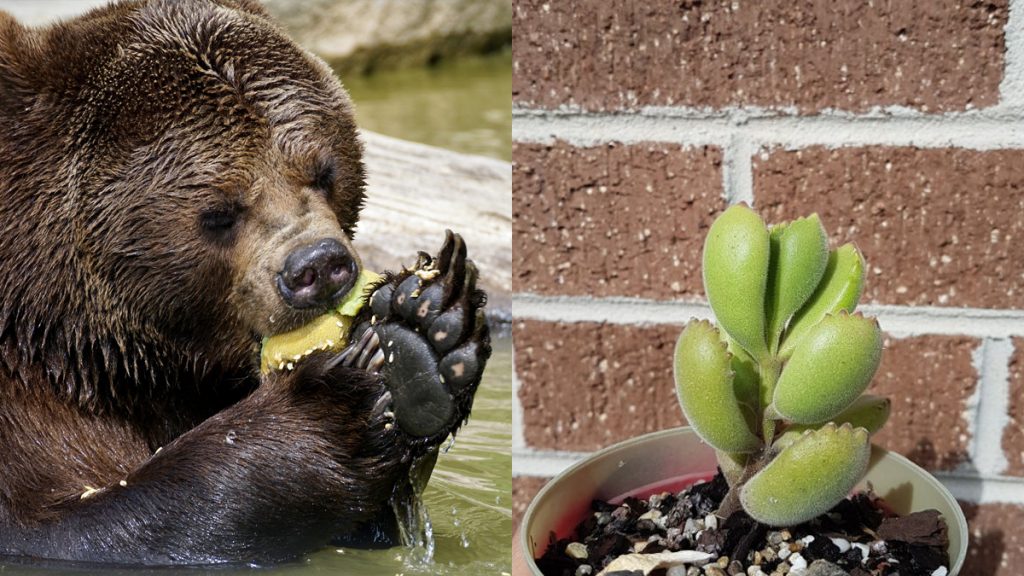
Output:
x=153 y=154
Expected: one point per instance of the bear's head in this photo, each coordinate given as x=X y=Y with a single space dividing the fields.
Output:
x=177 y=179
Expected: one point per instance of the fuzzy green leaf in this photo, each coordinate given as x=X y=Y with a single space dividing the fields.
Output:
x=746 y=384
x=829 y=370
x=809 y=477
x=838 y=291
x=704 y=383
x=798 y=260
x=867 y=412
x=736 y=256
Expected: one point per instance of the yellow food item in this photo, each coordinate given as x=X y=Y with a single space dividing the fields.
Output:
x=327 y=332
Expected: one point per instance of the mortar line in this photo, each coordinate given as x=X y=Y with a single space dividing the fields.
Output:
x=974 y=488
x=1011 y=89
x=737 y=173
x=991 y=415
x=900 y=321
x=970 y=411
x=518 y=434
x=988 y=129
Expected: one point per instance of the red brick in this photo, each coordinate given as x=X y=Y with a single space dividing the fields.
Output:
x=621 y=54
x=996 y=542
x=524 y=488
x=1013 y=434
x=613 y=220
x=929 y=379
x=588 y=385
x=938 y=227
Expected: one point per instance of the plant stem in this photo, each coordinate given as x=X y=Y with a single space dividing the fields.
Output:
x=731 y=503
x=769 y=369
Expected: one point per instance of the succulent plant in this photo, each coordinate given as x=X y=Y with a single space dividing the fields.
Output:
x=776 y=388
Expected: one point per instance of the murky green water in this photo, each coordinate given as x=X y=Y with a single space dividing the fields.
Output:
x=464 y=105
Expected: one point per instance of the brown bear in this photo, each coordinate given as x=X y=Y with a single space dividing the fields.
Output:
x=177 y=180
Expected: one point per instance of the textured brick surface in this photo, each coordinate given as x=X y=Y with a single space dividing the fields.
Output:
x=587 y=385
x=1013 y=434
x=620 y=54
x=929 y=379
x=938 y=227
x=524 y=488
x=997 y=542
x=612 y=220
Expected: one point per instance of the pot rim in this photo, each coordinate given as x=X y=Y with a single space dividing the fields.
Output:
x=959 y=519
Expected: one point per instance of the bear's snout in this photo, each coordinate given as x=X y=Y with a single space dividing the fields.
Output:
x=317 y=275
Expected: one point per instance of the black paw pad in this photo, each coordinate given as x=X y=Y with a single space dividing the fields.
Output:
x=421 y=402
x=446 y=331
x=380 y=302
x=434 y=341
x=462 y=367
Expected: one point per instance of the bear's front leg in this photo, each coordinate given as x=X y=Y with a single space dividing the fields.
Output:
x=272 y=477
x=313 y=454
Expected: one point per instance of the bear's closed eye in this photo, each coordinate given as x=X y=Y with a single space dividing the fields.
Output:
x=218 y=221
x=325 y=173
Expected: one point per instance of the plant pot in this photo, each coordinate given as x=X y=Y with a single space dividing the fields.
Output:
x=672 y=459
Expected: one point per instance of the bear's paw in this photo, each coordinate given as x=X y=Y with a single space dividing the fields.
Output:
x=428 y=338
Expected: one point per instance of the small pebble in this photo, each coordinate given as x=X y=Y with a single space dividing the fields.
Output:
x=806 y=540
x=714 y=570
x=825 y=568
x=754 y=570
x=655 y=500
x=723 y=562
x=775 y=538
x=864 y=551
x=711 y=522
x=842 y=543
x=693 y=571
x=784 y=552
x=577 y=550
x=584 y=570
x=797 y=563
x=940 y=571
x=786 y=535
x=677 y=570
x=650 y=515
x=735 y=568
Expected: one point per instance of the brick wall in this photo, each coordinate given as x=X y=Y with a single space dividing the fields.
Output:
x=901 y=124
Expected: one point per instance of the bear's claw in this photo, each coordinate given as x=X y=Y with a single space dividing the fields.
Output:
x=429 y=342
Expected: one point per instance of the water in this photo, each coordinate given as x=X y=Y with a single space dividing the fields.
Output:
x=468 y=498
x=464 y=105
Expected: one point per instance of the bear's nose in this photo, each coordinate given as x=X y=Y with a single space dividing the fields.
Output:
x=317 y=275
